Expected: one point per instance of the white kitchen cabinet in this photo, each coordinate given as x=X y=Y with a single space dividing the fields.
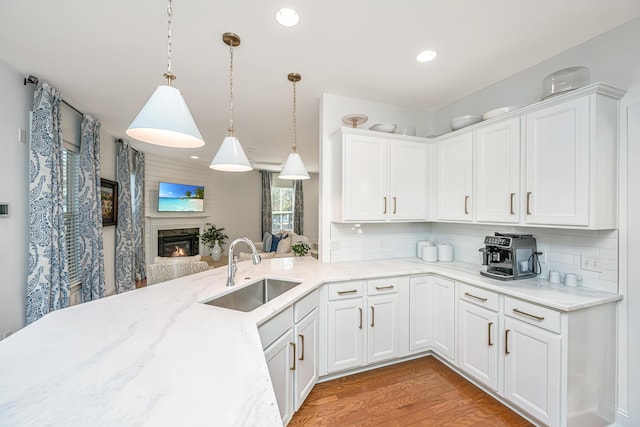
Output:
x=306 y=372
x=455 y=178
x=382 y=330
x=345 y=334
x=497 y=177
x=280 y=359
x=532 y=370
x=384 y=177
x=478 y=343
x=432 y=315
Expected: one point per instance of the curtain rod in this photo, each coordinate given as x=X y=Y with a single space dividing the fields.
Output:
x=34 y=81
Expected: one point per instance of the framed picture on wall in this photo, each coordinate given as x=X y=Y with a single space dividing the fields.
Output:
x=109 y=201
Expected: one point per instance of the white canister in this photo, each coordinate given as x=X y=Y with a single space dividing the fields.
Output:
x=445 y=252
x=430 y=253
x=421 y=244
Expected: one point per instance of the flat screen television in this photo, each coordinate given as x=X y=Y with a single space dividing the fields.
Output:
x=180 y=197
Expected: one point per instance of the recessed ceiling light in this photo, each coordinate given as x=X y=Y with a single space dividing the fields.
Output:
x=426 y=56
x=195 y=157
x=287 y=17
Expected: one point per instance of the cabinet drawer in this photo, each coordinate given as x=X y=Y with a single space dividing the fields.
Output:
x=305 y=306
x=343 y=290
x=276 y=326
x=382 y=286
x=479 y=296
x=534 y=314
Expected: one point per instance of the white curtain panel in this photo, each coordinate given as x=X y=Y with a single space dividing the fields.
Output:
x=91 y=245
x=48 y=277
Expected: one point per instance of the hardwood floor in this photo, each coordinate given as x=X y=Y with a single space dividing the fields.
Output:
x=421 y=392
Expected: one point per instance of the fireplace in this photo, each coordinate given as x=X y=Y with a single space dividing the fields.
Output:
x=178 y=242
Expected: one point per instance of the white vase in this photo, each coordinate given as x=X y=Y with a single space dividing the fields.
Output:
x=216 y=251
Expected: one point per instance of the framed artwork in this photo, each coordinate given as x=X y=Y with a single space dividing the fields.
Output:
x=109 y=201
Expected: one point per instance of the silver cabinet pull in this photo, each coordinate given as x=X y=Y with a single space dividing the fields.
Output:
x=360 y=326
x=301 y=347
x=373 y=316
x=385 y=205
x=380 y=288
x=394 y=204
x=293 y=368
x=466 y=203
x=467 y=294
x=528 y=202
x=489 y=334
x=506 y=341
x=351 y=291
x=533 y=316
x=511 y=203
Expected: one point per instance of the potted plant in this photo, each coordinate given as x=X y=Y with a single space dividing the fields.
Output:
x=300 y=249
x=213 y=236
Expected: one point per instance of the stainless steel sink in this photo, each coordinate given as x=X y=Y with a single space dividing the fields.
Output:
x=254 y=295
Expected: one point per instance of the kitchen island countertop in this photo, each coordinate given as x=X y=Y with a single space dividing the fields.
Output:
x=158 y=356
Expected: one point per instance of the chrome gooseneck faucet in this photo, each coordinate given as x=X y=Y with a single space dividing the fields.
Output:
x=232 y=267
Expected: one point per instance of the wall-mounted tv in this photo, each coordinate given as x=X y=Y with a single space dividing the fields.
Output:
x=180 y=197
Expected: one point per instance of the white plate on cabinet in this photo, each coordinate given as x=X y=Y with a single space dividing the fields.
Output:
x=384 y=127
x=498 y=112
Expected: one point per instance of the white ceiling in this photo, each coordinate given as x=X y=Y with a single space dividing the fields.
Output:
x=107 y=57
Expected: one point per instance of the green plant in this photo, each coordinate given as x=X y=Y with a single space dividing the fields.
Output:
x=300 y=249
x=211 y=234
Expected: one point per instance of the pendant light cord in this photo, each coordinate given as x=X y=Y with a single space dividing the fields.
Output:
x=231 y=89
x=294 y=118
x=169 y=75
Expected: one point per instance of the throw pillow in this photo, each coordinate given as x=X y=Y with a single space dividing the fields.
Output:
x=284 y=246
x=274 y=243
x=266 y=242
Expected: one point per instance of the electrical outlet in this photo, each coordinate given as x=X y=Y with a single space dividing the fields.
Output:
x=543 y=256
x=334 y=245
x=591 y=263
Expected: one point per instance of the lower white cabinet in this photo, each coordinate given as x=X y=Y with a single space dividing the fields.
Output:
x=532 y=370
x=432 y=315
x=292 y=357
x=478 y=353
x=362 y=315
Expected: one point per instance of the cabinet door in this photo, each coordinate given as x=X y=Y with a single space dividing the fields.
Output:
x=478 y=343
x=407 y=180
x=532 y=370
x=443 y=311
x=382 y=336
x=306 y=334
x=345 y=334
x=557 y=163
x=420 y=322
x=280 y=359
x=498 y=172
x=365 y=179
x=455 y=178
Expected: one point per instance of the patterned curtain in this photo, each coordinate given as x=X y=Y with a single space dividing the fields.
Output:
x=298 y=209
x=48 y=277
x=138 y=215
x=266 y=202
x=91 y=246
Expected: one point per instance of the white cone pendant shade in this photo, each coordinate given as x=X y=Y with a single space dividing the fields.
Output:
x=231 y=157
x=166 y=120
x=294 y=168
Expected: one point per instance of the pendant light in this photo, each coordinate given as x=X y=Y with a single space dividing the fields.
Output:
x=230 y=156
x=294 y=168
x=165 y=119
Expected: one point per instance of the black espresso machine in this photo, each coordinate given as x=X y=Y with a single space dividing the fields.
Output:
x=510 y=256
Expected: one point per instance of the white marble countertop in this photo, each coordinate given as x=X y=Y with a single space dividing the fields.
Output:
x=157 y=356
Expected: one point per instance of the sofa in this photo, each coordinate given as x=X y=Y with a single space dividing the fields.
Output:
x=276 y=245
x=168 y=268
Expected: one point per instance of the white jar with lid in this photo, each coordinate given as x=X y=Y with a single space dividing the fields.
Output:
x=430 y=253
x=445 y=252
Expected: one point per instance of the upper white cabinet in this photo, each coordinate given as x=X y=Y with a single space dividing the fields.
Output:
x=455 y=178
x=384 y=177
x=571 y=166
x=497 y=196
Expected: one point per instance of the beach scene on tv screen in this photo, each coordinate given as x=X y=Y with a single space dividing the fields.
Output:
x=180 y=198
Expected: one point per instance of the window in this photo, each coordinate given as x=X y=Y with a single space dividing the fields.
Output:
x=281 y=204
x=70 y=190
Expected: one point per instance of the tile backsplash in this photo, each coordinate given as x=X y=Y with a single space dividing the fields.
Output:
x=563 y=248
